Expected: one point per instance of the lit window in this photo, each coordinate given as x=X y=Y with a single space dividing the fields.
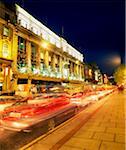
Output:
x=5 y=50
x=6 y=31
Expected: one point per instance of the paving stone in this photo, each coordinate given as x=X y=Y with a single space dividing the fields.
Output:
x=117 y=121
x=83 y=134
x=70 y=148
x=97 y=123
x=119 y=125
x=41 y=146
x=92 y=124
x=120 y=138
x=112 y=146
x=95 y=129
x=87 y=144
x=103 y=136
x=111 y=125
x=115 y=130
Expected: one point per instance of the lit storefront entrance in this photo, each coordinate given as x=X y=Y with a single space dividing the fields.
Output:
x=43 y=86
x=39 y=86
x=5 y=75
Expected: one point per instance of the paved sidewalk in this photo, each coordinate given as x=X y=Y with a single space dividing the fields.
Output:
x=104 y=131
x=95 y=128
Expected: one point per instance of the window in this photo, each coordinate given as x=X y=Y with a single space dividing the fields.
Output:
x=34 y=57
x=7 y=17
x=21 y=58
x=5 y=50
x=5 y=31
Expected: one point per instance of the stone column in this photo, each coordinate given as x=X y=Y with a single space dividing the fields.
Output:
x=4 y=81
x=82 y=71
x=72 y=67
x=80 y=74
x=0 y=44
x=46 y=59
x=60 y=65
x=14 y=64
x=38 y=58
x=14 y=52
x=29 y=85
x=77 y=68
x=28 y=51
x=54 y=62
x=8 y=79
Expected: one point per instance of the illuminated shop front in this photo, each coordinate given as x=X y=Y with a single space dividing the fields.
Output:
x=5 y=75
x=5 y=58
x=21 y=56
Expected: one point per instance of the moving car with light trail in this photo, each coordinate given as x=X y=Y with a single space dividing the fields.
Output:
x=21 y=116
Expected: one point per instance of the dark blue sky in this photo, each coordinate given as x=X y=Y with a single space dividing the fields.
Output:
x=95 y=27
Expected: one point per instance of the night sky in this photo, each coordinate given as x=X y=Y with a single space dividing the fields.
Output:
x=94 y=27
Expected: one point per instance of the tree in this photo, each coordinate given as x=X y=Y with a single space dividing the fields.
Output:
x=120 y=75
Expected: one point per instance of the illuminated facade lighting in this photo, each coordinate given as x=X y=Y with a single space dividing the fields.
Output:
x=44 y=44
x=32 y=24
x=35 y=53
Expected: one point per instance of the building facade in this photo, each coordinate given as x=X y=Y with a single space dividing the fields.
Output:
x=30 y=53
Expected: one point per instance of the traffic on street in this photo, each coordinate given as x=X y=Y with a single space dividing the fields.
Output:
x=34 y=115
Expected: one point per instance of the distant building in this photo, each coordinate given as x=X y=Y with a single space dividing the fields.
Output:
x=88 y=73
x=93 y=74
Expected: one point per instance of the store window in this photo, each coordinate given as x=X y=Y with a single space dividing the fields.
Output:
x=41 y=61
x=33 y=55
x=34 y=58
x=21 y=57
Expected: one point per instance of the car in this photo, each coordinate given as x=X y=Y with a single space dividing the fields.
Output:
x=6 y=101
x=24 y=115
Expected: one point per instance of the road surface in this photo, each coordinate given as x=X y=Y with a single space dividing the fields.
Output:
x=99 y=127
